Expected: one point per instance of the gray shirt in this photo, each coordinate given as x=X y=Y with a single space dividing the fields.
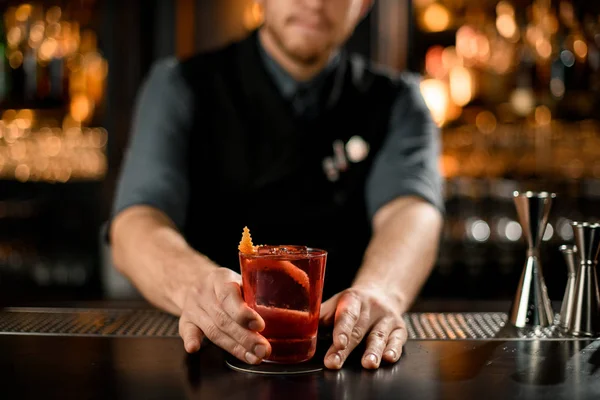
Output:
x=155 y=169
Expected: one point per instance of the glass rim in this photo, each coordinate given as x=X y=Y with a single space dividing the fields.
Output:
x=312 y=252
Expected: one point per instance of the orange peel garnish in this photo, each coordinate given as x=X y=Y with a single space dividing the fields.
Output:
x=246 y=245
x=297 y=274
x=286 y=267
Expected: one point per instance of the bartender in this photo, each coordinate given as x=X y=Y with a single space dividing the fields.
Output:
x=287 y=133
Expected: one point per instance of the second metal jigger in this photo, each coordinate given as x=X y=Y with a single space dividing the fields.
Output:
x=569 y=253
x=585 y=314
x=531 y=306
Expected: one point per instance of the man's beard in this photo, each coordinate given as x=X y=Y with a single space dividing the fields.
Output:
x=308 y=60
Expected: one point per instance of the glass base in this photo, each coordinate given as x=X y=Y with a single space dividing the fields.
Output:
x=279 y=362
x=292 y=351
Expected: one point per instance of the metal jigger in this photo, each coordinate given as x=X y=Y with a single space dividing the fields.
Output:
x=585 y=313
x=531 y=306
x=569 y=253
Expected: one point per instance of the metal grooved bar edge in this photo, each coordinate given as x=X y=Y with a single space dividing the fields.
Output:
x=152 y=323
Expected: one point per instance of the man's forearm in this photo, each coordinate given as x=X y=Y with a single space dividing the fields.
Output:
x=148 y=249
x=402 y=250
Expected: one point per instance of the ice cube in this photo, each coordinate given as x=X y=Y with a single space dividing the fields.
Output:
x=285 y=250
x=292 y=250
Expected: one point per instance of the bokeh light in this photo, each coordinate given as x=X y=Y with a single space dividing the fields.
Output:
x=435 y=93
x=436 y=18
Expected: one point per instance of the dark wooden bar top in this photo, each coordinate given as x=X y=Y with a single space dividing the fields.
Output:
x=119 y=367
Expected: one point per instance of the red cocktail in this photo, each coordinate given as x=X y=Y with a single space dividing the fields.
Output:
x=284 y=284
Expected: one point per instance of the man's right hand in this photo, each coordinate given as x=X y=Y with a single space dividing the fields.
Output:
x=214 y=308
x=152 y=253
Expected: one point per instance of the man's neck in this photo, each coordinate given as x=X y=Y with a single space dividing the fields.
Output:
x=300 y=72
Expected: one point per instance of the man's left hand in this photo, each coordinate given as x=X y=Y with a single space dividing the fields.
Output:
x=361 y=312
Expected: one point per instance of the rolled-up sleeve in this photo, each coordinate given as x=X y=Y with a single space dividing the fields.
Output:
x=407 y=164
x=154 y=172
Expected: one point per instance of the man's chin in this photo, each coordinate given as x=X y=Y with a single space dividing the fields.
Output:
x=308 y=53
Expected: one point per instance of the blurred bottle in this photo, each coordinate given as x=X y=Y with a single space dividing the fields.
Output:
x=56 y=75
x=30 y=74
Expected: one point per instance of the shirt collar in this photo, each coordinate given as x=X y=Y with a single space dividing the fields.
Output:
x=287 y=85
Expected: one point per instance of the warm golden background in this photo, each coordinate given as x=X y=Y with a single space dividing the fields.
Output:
x=514 y=86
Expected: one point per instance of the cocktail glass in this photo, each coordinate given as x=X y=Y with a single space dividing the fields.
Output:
x=284 y=284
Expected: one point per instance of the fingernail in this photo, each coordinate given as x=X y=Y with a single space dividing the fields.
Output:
x=251 y=358
x=254 y=326
x=371 y=358
x=391 y=354
x=335 y=359
x=260 y=351
x=343 y=340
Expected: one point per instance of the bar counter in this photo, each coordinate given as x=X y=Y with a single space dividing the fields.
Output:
x=122 y=353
